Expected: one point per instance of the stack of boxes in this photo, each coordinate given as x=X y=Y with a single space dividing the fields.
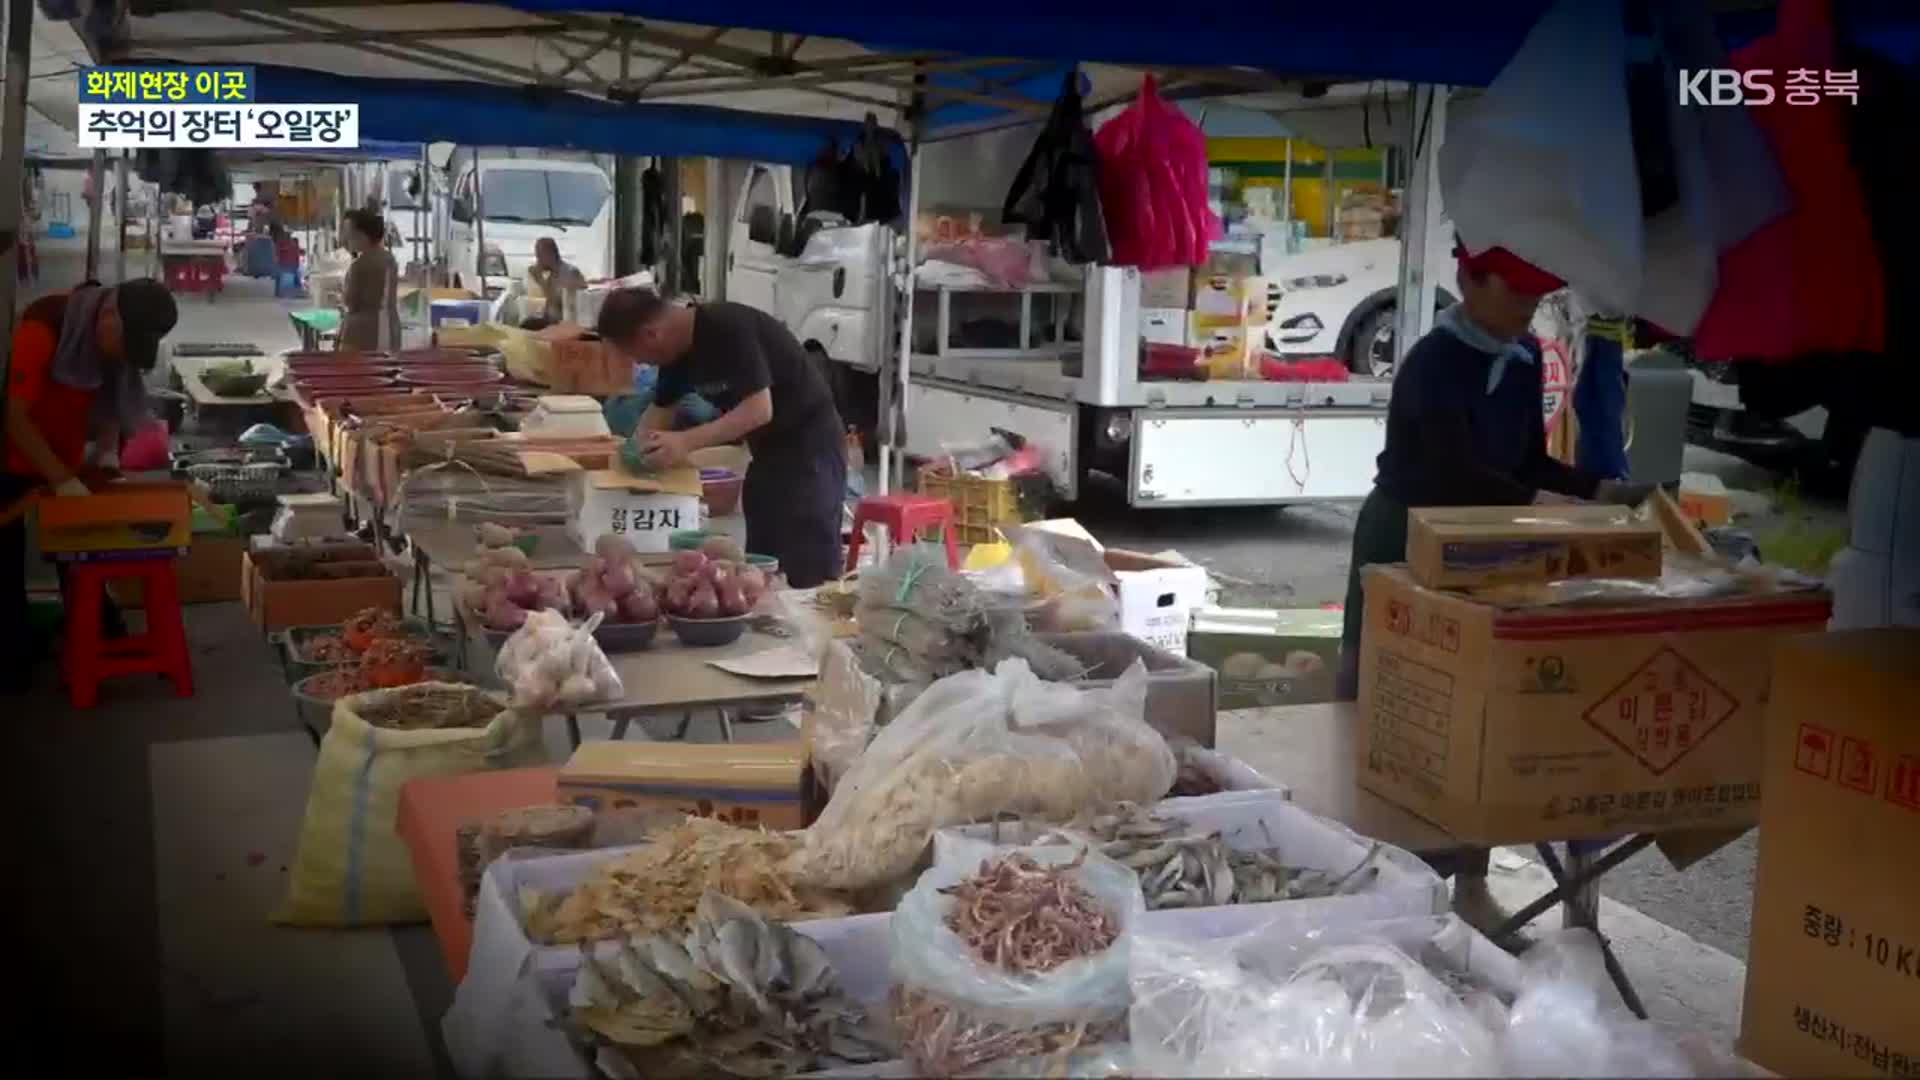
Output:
x=1217 y=310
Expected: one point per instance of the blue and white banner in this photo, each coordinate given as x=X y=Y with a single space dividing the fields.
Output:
x=219 y=127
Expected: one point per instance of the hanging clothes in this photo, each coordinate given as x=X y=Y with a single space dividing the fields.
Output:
x=653 y=214
x=1810 y=281
x=1056 y=193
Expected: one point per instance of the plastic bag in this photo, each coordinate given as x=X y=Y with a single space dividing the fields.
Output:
x=1069 y=579
x=352 y=868
x=979 y=744
x=549 y=663
x=1568 y=1021
x=1343 y=1002
x=1543 y=163
x=1153 y=185
x=965 y=1013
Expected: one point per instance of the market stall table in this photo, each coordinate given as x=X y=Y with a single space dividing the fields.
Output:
x=192 y=266
x=1314 y=751
x=668 y=677
x=315 y=327
x=429 y=813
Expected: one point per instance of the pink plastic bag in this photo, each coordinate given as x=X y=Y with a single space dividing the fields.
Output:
x=1153 y=185
x=146 y=449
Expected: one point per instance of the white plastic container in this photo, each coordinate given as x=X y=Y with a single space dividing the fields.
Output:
x=565 y=416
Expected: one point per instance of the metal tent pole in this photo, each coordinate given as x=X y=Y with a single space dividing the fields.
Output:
x=893 y=407
x=1420 y=218
x=96 y=176
x=479 y=224
x=120 y=219
x=13 y=137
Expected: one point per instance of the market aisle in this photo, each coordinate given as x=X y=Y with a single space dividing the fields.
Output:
x=225 y=831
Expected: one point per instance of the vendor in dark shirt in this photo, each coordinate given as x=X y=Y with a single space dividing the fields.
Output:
x=770 y=393
x=1467 y=427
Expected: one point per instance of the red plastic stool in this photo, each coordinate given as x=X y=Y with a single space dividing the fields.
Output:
x=162 y=650
x=904 y=517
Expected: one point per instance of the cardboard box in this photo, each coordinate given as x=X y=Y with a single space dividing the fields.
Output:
x=647 y=510
x=1156 y=596
x=1267 y=657
x=277 y=604
x=210 y=571
x=748 y=784
x=1705 y=500
x=118 y=517
x=1229 y=300
x=1163 y=326
x=1465 y=547
x=1182 y=696
x=1544 y=723
x=1171 y=287
x=1833 y=971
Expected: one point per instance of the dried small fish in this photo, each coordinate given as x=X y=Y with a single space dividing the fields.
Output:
x=1179 y=867
x=657 y=888
x=738 y=996
x=1022 y=916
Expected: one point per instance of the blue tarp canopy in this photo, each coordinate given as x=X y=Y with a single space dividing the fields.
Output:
x=1454 y=44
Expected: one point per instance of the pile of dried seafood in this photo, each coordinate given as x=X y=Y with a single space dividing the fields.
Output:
x=920 y=621
x=1023 y=918
x=1180 y=867
x=740 y=996
x=657 y=888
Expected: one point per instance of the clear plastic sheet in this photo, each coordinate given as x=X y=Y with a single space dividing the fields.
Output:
x=1397 y=998
x=1682 y=578
x=970 y=1014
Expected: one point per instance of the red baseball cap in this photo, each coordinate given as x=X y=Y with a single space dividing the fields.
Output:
x=1520 y=275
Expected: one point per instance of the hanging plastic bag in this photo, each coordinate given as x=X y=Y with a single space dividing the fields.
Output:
x=550 y=664
x=1542 y=164
x=958 y=1013
x=1811 y=280
x=1153 y=185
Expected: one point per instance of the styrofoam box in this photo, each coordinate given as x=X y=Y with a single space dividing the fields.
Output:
x=500 y=1011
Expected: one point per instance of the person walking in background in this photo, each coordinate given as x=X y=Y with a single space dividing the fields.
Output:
x=371 y=322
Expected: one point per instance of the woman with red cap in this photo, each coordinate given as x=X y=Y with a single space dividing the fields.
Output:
x=1467 y=427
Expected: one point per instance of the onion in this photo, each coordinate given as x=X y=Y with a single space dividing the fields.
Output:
x=552 y=594
x=715 y=574
x=503 y=614
x=732 y=600
x=752 y=579
x=679 y=594
x=618 y=579
x=523 y=588
x=688 y=562
x=638 y=607
x=704 y=603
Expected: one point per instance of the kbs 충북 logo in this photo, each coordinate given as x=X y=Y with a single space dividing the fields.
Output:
x=1760 y=86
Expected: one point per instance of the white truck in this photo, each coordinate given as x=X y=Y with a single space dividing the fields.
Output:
x=519 y=201
x=1060 y=366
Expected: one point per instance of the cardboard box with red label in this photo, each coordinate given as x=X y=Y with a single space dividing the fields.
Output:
x=1833 y=971
x=1544 y=723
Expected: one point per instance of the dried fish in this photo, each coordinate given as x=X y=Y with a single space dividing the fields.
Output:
x=941 y=1039
x=1022 y=916
x=656 y=889
x=1179 y=867
x=738 y=996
